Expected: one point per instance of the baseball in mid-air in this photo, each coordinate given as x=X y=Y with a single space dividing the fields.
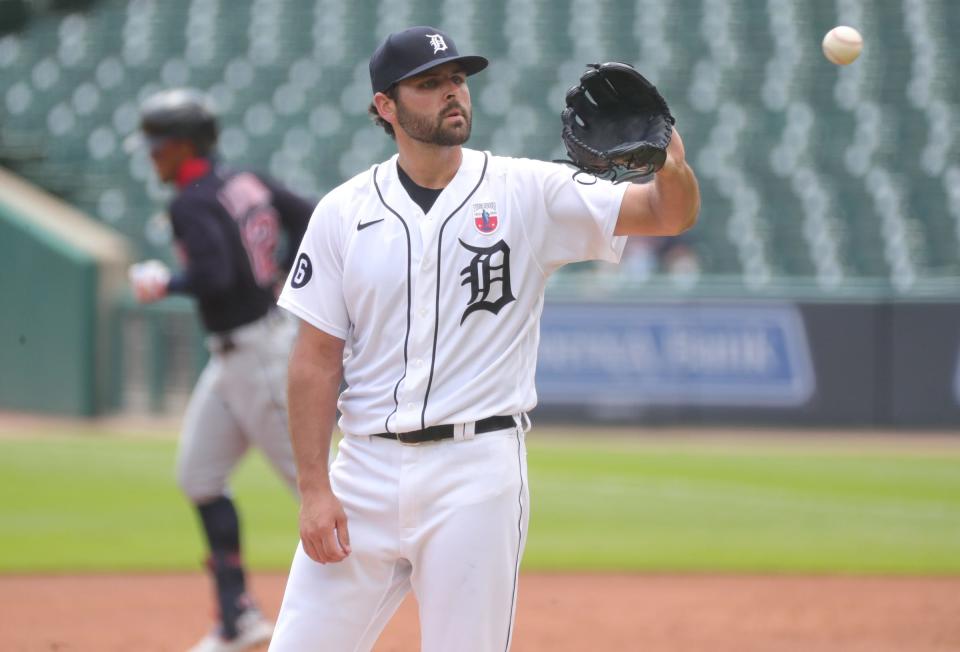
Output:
x=842 y=45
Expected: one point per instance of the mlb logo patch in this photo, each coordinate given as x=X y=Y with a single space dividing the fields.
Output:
x=485 y=217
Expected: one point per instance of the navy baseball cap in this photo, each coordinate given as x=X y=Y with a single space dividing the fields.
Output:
x=413 y=51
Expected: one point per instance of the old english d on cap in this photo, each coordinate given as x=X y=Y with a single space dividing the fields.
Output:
x=414 y=50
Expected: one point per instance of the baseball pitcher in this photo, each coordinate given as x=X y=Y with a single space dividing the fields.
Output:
x=420 y=283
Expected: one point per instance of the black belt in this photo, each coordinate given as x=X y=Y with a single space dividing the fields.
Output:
x=224 y=342
x=436 y=433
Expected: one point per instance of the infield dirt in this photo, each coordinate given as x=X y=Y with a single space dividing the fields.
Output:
x=556 y=613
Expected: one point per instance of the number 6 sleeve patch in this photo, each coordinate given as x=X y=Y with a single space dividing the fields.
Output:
x=302 y=271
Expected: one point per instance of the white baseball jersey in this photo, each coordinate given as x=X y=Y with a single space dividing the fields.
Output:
x=440 y=311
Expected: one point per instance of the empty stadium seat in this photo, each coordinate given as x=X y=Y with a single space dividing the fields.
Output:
x=809 y=172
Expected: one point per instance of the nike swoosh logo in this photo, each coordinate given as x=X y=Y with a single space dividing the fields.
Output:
x=362 y=225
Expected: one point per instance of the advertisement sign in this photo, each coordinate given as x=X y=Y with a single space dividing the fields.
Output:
x=739 y=355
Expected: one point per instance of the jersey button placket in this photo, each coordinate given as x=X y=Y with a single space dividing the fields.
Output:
x=426 y=225
x=421 y=339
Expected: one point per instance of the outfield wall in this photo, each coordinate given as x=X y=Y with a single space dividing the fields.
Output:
x=867 y=363
x=875 y=363
x=61 y=276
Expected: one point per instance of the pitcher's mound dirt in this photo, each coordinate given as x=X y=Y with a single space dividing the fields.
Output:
x=556 y=613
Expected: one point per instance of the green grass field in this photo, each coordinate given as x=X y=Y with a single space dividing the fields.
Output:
x=94 y=503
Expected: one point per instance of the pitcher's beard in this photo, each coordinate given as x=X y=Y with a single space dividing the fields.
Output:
x=434 y=132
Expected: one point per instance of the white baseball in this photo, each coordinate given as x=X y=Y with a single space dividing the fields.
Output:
x=842 y=45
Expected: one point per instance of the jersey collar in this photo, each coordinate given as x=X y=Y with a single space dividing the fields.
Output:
x=191 y=170
x=471 y=165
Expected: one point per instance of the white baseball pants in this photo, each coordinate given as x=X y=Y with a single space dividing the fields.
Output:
x=239 y=401
x=446 y=519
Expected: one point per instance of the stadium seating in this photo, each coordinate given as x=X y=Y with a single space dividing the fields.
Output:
x=809 y=172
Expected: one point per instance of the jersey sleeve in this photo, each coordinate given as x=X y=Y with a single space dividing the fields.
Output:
x=577 y=216
x=314 y=288
x=294 y=212
x=208 y=267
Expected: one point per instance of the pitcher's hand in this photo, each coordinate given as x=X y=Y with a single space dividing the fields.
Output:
x=323 y=527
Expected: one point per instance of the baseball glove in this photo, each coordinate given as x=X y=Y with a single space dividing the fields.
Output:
x=616 y=125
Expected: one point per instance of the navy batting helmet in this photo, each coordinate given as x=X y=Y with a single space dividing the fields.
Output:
x=182 y=114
